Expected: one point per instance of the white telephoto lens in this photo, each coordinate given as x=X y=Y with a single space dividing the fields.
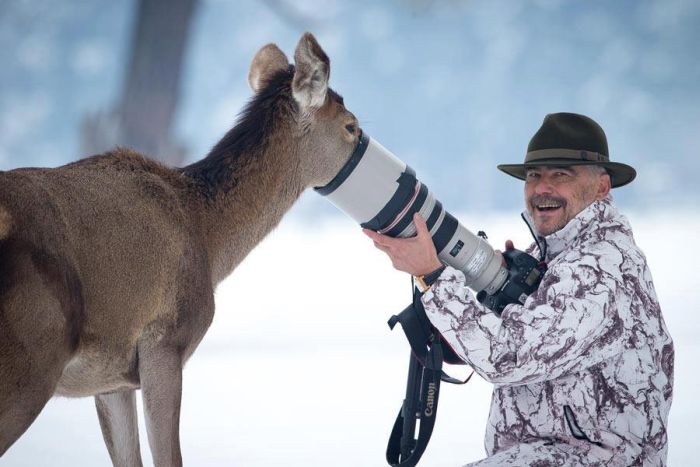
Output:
x=381 y=193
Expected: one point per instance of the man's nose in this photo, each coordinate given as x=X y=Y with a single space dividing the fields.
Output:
x=543 y=186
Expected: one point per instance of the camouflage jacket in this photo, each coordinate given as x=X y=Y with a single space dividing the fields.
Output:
x=586 y=361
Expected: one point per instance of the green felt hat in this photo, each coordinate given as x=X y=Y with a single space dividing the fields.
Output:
x=570 y=139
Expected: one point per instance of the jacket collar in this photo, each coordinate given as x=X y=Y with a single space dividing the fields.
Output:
x=589 y=218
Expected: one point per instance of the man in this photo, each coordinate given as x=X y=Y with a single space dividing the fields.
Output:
x=583 y=371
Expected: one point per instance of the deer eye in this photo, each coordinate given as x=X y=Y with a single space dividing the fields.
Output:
x=350 y=127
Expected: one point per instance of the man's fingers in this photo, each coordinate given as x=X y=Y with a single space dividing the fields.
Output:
x=413 y=255
x=503 y=260
x=378 y=238
x=369 y=233
x=385 y=249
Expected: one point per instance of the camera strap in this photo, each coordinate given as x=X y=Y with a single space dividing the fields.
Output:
x=422 y=388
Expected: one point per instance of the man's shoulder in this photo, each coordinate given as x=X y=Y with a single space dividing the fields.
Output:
x=609 y=247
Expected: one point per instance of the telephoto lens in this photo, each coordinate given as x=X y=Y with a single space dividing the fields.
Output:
x=381 y=193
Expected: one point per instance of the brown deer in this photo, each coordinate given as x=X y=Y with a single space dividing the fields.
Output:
x=108 y=265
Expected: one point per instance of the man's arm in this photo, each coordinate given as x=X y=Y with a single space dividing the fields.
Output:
x=570 y=323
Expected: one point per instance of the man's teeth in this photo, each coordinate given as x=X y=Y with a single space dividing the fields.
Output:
x=548 y=206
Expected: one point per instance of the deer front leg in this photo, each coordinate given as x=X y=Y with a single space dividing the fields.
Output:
x=160 y=371
x=118 y=421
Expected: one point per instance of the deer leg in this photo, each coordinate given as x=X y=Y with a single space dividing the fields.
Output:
x=25 y=388
x=119 y=424
x=35 y=342
x=160 y=371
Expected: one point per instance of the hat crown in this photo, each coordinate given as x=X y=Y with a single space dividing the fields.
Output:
x=569 y=131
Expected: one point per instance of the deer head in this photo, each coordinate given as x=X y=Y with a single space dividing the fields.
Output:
x=324 y=131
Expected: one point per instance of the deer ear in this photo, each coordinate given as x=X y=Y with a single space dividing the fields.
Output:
x=312 y=68
x=269 y=60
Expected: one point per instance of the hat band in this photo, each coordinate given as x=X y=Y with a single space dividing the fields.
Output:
x=574 y=154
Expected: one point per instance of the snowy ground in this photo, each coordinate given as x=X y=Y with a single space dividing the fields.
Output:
x=300 y=369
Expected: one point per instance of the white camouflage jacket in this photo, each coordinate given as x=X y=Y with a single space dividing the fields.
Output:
x=585 y=365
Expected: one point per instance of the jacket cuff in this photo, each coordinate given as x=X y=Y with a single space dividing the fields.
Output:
x=450 y=298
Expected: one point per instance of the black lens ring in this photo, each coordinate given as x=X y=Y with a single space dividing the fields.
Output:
x=347 y=169
x=408 y=216
x=399 y=200
x=445 y=232
x=434 y=215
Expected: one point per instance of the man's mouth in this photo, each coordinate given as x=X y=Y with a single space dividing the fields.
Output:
x=547 y=207
x=546 y=204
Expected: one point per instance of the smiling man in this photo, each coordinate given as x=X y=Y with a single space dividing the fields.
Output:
x=583 y=370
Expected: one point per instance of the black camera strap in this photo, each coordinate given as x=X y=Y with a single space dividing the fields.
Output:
x=422 y=388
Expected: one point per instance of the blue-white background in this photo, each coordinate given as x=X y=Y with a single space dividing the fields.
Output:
x=310 y=375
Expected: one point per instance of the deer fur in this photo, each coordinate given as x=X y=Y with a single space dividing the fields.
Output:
x=108 y=265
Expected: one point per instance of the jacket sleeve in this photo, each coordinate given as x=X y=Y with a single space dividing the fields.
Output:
x=570 y=323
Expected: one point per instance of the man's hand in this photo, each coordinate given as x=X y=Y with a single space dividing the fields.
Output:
x=509 y=246
x=415 y=255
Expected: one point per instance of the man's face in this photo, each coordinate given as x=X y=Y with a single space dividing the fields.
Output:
x=555 y=195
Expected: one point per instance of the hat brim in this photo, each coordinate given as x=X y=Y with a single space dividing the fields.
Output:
x=620 y=174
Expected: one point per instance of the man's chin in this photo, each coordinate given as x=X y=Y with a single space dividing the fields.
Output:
x=548 y=227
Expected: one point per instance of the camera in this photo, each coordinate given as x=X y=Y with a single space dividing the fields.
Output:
x=381 y=193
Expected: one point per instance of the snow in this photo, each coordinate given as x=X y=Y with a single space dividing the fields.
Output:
x=300 y=368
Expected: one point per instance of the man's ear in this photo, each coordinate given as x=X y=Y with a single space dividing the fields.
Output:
x=312 y=68
x=604 y=186
x=268 y=61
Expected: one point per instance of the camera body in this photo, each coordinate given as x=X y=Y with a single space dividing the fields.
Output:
x=524 y=275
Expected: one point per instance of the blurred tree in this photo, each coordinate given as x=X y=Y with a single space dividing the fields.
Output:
x=142 y=118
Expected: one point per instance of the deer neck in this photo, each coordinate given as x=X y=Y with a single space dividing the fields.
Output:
x=238 y=211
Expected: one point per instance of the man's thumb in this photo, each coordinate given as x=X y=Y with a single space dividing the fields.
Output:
x=421 y=226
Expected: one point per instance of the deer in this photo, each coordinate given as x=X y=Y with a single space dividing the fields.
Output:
x=108 y=264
